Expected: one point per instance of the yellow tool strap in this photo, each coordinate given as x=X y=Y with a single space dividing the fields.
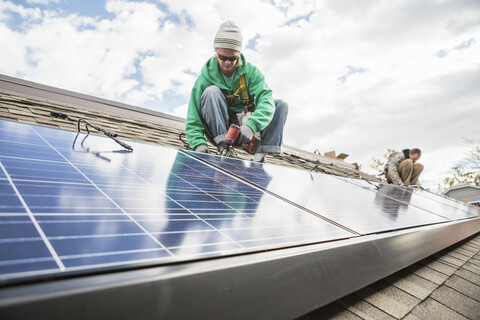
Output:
x=244 y=97
x=242 y=89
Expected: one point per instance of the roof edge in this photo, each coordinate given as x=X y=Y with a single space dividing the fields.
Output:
x=33 y=90
x=316 y=157
x=461 y=186
x=41 y=92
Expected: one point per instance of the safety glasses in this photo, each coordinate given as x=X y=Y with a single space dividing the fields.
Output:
x=231 y=59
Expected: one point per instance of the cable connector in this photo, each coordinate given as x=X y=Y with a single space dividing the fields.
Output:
x=60 y=115
x=112 y=135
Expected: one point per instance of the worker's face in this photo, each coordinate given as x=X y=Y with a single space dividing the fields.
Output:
x=227 y=59
x=414 y=157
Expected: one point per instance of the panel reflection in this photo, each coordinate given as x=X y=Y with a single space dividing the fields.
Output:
x=354 y=204
x=392 y=200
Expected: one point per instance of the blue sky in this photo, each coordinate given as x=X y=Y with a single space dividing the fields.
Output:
x=91 y=8
x=360 y=77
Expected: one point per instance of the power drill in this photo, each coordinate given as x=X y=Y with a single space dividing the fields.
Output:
x=232 y=138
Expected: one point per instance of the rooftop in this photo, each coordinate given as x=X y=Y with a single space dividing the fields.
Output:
x=28 y=102
x=444 y=285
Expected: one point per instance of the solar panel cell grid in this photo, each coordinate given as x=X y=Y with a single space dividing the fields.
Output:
x=79 y=203
x=358 y=205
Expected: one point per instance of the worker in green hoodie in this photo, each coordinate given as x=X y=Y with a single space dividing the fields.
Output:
x=232 y=90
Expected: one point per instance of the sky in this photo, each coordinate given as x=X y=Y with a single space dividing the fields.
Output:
x=360 y=77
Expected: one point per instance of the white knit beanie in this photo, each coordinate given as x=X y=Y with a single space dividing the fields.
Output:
x=228 y=36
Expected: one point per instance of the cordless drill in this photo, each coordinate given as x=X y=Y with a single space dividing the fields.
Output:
x=233 y=137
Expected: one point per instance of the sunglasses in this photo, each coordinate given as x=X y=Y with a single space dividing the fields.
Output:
x=231 y=59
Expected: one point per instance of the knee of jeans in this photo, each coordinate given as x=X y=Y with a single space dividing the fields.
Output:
x=418 y=166
x=212 y=91
x=281 y=106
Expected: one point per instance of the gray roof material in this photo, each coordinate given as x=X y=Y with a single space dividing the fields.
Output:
x=443 y=286
x=30 y=106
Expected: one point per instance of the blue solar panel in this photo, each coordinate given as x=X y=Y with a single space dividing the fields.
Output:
x=357 y=205
x=75 y=204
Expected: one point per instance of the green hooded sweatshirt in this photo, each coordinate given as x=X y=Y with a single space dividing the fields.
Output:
x=212 y=75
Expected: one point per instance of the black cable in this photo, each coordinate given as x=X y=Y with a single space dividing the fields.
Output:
x=111 y=135
x=317 y=166
x=185 y=143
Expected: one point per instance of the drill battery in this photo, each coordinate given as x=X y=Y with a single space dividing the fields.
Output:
x=233 y=138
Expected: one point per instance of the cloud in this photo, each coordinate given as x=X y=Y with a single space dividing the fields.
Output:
x=100 y=56
x=180 y=110
x=360 y=77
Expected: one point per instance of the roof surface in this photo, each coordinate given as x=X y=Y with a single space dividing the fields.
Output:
x=445 y=285
x=36 y=111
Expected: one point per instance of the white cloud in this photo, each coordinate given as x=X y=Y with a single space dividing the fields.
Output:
x=9 y=9
x=181 y=110
x=418 y=61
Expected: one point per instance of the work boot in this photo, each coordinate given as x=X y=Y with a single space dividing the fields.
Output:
x=260 y=157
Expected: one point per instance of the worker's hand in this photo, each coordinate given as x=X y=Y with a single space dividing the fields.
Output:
x=201 y=148
x=246 y=134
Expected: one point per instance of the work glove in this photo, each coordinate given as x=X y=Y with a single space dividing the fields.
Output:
x=201 y=148
x=246 y=134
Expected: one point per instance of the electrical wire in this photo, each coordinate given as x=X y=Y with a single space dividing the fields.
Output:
x=111 y=135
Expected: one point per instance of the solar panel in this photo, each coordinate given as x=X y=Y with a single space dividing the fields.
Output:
x=356 y=205
x=428 y=201
x=77 y=203
x=419 y=197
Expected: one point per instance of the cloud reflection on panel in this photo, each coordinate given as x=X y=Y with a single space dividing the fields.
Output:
x=393 y=200
x=348 y=204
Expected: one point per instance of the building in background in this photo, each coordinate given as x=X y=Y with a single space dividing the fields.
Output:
x=464 y=192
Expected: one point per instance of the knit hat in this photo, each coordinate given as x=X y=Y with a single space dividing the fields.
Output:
x=228 y=36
